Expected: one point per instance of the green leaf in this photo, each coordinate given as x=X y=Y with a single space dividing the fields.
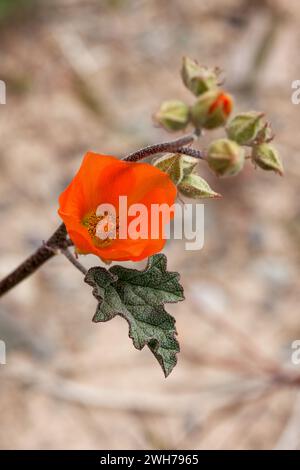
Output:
x=195 y=187
x=139 y=297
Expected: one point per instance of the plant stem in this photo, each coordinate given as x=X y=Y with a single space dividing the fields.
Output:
x=32 y=263
x=192 y=152
x=73 y=260
x=171 y=146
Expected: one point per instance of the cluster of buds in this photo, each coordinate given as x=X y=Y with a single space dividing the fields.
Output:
x=212 y=108
x=226 y=157
x=251 y=130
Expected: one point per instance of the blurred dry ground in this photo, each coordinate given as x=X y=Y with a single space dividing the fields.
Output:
x=87 y=75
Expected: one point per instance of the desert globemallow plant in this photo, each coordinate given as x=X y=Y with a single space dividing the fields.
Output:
x=102 y=208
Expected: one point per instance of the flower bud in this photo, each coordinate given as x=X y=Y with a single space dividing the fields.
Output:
x=245 y=128
x=198 y=79
x=173 y=115
x=267 y=158
x=211 y=109
x=225 y=157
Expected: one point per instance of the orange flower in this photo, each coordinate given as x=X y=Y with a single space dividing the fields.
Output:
x=101 y=179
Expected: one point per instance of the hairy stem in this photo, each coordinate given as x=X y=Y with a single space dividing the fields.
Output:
x=171 y=146
x=192 y=152
x=32 y=263
x=73 y=260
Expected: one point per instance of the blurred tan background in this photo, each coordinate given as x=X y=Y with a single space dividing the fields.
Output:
x=88 y=75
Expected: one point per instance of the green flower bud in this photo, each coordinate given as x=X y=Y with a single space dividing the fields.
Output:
x=245 y=128
x=211 y=109
x=225 y=157
x=195 y=187
x=198 y=79
x=173 y=115
x=267 y=158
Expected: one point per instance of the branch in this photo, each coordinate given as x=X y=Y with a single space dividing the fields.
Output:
x=172 y=146
x=35 y=261
x=192 y=152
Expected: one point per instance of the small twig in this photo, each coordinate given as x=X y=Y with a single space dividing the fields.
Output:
x=66 y=252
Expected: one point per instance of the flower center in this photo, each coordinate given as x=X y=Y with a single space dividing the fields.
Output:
x=102 y=228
